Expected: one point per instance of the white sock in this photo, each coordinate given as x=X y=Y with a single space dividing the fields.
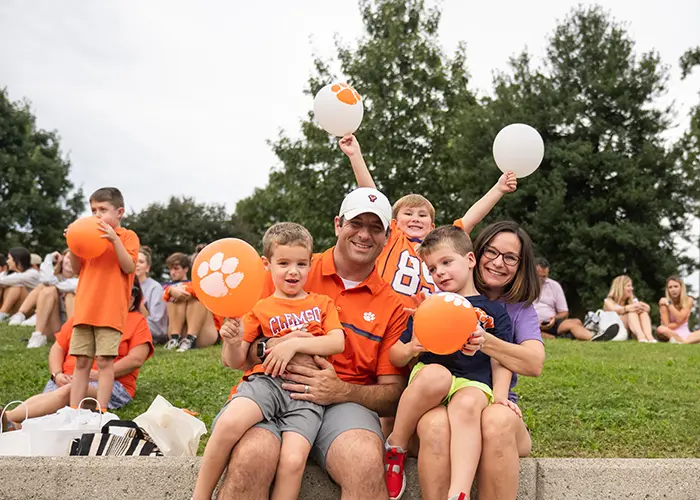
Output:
x=388 y=446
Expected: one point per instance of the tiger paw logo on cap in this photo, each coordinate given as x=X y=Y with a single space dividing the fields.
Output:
x=372 y=198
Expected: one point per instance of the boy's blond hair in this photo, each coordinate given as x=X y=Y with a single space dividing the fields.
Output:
x=413 y=201
x=286 y=233
x=445 y=235
x=110 y=195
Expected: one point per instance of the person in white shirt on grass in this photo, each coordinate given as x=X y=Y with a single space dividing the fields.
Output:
x=21 y=278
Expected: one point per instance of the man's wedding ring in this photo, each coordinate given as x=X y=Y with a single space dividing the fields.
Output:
x=306 y=389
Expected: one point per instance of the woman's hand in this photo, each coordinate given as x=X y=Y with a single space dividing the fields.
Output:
x=508 y=403
x=664 y=302
x=62 y=379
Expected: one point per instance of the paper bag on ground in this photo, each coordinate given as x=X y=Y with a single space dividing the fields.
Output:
x=175 y=432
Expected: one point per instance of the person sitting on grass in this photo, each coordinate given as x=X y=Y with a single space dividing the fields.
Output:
x=185 y=312
x=152 y=297
x=135 y=348
x=287 y=250
x=21 y=278
x=52 y=299
x=675 y=308
x=553 y=312
x=634 y=314
x=465 y=381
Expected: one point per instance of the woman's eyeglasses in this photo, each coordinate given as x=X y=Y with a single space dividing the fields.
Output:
x=509 y=259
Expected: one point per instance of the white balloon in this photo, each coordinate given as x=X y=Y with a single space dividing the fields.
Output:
x=338 y=109
x=518 y=148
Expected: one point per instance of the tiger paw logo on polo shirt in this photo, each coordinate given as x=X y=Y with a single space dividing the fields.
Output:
x=372 y=198
x=369 y=317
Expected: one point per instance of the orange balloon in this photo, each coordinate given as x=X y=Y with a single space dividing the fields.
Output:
x=84 y=238
x=228 y=277
x=444 y=322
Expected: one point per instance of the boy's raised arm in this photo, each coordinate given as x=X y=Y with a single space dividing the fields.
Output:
x=507 y=183
x=351 y=148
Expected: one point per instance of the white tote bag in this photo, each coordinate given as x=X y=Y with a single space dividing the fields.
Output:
x=175 y=432
x=14 y=443
x=608 y=318
x=51 y=435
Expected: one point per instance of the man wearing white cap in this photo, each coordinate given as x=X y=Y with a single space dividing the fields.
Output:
x=356 y=386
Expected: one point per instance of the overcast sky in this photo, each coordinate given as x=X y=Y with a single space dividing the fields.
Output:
x=166 y=98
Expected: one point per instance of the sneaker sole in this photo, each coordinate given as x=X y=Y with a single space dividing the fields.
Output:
x=609 y=333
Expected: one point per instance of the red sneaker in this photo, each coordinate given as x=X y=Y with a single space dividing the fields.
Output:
x=394 y=458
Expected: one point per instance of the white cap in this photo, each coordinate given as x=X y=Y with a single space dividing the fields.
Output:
x=366 y=200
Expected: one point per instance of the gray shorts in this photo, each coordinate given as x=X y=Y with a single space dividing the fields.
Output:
x=337 y=419
x=280 y=411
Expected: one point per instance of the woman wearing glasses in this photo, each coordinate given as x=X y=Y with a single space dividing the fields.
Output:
x=135 y=348
x=506 y=272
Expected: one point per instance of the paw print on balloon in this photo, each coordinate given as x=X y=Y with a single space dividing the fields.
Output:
x=345 y=93
x=219 y=276
x=457 y=300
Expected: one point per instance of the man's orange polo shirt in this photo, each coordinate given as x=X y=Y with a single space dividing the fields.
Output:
x=371 y=313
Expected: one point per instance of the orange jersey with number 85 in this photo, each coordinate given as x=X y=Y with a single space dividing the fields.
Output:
x=399 y=265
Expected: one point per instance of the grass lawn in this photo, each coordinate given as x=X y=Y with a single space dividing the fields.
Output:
x=620 y=399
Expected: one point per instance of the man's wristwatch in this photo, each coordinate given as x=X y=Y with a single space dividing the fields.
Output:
x=54 y=375
x=262 y=346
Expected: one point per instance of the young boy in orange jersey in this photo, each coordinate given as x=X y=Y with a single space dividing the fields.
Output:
x=287 y=250
x=413 y=217
x=102 y=298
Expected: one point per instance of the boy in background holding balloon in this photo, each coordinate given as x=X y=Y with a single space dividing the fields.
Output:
x=413 y=217
x=465 y=381
x=287 y=250
x=102 y=297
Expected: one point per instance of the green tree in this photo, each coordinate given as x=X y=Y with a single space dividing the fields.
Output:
x=179 y=226
x=609 y=197
x=37 y=200
x=414 y=99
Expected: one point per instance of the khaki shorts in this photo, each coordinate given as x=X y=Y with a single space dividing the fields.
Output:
x=91 y=341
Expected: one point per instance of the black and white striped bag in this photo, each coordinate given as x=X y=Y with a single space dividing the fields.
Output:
x=132 y=441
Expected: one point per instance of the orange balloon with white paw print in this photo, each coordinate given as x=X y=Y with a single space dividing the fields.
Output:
x=338 y=109
x=84 y=238
x=228 y=277
x=444 y=322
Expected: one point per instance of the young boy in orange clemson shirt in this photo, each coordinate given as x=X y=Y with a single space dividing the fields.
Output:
x=102 y=298
x=287 y=250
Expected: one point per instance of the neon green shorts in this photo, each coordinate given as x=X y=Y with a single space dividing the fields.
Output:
x=457 y=384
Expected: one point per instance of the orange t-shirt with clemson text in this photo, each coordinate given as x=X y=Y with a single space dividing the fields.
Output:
x=135 y=333
x=276 y=317
x=400 y=266
x=103 y=293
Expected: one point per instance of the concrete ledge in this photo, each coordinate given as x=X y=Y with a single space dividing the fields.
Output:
x=173 y=478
